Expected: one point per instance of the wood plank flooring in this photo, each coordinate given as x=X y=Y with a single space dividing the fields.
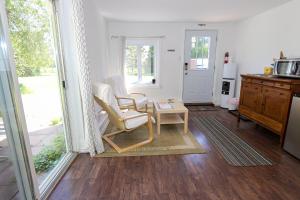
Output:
x=8 y=182
x=180 y=177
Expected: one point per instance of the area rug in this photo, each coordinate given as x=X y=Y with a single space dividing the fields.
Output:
x=233 y=149
x=202 y=108
x=171 y=141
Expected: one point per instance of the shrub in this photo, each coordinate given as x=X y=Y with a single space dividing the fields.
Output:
x=50 y=154
x=55 y=121
x=24 y=89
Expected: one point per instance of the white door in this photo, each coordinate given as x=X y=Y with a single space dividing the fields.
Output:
x=199 y=62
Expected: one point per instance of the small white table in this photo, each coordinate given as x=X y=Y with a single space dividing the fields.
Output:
x=172 y=115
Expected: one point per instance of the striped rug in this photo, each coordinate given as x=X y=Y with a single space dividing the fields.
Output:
x=234 y=150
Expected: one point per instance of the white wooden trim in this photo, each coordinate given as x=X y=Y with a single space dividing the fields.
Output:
x=56 y=174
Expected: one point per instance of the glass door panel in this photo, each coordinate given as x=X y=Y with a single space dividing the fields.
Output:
x=14 y=166
x=38 y=70
x=8 y=183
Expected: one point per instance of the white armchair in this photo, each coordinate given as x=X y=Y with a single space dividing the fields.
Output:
x=137 y=101
x=124 y=121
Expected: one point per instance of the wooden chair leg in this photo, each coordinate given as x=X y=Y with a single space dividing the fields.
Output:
x=150 y=127
x=121 y=150
x=110 y=142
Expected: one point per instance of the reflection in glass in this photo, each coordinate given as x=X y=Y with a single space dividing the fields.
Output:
x=8 y=183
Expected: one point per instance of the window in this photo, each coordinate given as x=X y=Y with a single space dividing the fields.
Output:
x=141 y=62
x=200 y=52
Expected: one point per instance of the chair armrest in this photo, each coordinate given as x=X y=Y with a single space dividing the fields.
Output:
x=136 y=93
x=135 y=116
x=128 y=98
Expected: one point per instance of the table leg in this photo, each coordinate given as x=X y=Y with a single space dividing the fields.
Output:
x=186 y=118
x=158 y=123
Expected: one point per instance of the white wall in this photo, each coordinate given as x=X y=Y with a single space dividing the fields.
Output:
x=97 y=49
x=96 y=37
x=261 y=38
x=171 y=63
x=71 y=65
x=95 y=27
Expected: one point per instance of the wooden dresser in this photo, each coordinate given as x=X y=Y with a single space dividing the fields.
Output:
x=267 y=100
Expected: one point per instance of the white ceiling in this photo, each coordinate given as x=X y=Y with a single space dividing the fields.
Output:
x=184 y=10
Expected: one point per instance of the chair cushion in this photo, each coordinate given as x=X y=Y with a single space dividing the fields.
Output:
x=140 y=101
x=104 y=92
x=135 y=122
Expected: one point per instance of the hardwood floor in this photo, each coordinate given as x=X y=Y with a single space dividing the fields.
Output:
x=8 y=182
x=200 y=176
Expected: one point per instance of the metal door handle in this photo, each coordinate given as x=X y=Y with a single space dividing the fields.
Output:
x=186 y=66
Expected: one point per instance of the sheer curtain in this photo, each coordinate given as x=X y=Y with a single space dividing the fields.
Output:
x=117 y=56
x=95 y=144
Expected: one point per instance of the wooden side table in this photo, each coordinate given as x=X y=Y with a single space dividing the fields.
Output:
x=171 y=116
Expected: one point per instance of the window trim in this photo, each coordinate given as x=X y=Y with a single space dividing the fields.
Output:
x=140 y=42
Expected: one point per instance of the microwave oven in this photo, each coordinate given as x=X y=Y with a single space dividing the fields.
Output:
x=287 y=67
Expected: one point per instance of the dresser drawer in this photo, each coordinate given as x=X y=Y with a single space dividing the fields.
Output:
x=283 y=85
x=256 y=81
x=262 y=82
x=268 y=83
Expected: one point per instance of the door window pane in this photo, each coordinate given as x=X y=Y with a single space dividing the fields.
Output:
x=37 y=70
x=199 y=52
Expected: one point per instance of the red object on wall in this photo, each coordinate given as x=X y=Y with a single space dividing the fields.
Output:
x=226 y=59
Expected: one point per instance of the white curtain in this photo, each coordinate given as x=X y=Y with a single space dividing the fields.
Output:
x=117 y=56
x=95 y=144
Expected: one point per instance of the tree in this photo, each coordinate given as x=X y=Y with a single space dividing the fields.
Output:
x=200 y=50
x=131 y=60
x=30 y=34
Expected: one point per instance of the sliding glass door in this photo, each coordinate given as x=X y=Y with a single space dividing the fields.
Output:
x=16 y=181
x=39 y=87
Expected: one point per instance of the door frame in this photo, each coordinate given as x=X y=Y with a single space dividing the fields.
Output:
x=59 y=170
x=183 y=60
